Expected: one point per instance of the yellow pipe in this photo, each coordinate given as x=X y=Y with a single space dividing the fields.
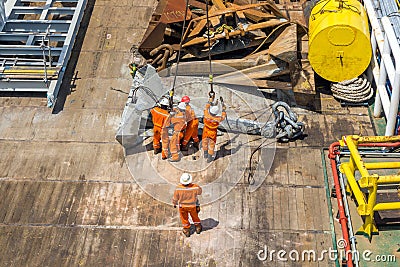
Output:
x=29 y=71
x=376 y=139
x=345 y=168
x=382 y=165
x=389 y=179
x=372 y=197
x=352 y=145
x=387 y=206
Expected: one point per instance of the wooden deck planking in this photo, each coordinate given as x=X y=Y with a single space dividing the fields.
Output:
x=6 y=234
x=76 y=204
x=74 y=247
x=12 y=248
x=43 y=196
x=27 y=202
x=7 y=193
x=48 y=210
x=74 y=196
x=61 y=200
x=90 y=164
x=169 y=258
x=301 y=210
x=13 y=207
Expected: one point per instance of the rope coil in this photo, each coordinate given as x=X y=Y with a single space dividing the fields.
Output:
x=356 y=90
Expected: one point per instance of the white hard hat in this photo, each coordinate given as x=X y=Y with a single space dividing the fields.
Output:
x=182 y=106
x=214 y=110
x=186 y=178
x=164 y=101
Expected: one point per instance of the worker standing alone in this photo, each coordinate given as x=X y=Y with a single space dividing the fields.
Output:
x=211 y=122
x=192 y=127
x=185 y=197
x=160 y=116
x=178 y=120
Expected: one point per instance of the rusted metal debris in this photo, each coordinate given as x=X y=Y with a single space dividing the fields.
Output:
x=247 y=37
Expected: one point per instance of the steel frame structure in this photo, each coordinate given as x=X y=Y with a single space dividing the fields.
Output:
x=367 y=203
x=36 y=41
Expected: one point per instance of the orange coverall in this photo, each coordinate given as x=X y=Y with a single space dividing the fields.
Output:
x=160 y=117
x=192 y=126
x=211 y=124
x=179 y=122
x=186 y=198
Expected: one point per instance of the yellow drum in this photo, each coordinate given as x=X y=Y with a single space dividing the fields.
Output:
x=339 y=40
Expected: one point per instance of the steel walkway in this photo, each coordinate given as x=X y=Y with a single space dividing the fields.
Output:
x=36 y=40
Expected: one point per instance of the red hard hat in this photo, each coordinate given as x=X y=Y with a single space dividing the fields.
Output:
x=185 y=99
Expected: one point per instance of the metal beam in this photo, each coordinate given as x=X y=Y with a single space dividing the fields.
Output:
x=24 y=10
x=23 y=37
x=23 y=86
x=24 y=50
x=60 y=26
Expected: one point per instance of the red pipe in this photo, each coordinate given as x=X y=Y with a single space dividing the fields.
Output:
x=380 y=144
x=342 y=216
x=395 y=144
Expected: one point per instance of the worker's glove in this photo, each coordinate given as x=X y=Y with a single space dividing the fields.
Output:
x=213 y=103
x=212 y=96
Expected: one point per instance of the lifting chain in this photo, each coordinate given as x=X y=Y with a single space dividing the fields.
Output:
x=211 y=94
x=286 y=125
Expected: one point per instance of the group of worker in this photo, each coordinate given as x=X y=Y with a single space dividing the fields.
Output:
x=185 y=124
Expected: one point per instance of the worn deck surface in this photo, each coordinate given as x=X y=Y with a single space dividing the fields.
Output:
x=68 y=199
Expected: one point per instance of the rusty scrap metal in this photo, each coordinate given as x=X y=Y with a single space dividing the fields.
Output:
x=236 y=25
x=162 y=58
x=167 y=11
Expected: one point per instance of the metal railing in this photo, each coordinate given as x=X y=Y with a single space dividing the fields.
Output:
x=385 y=65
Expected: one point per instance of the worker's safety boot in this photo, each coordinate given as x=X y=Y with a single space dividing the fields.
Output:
x=196 y=145
x=210 y=158
x=174 y=158
x=157 y=150
x=184 y=147
x=199 y=228
x=186 y=232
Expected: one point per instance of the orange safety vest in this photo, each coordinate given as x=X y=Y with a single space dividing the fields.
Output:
x=186 y=196
x=211 y=121
x=190 y=115
x=159 y=116
x=178 y=120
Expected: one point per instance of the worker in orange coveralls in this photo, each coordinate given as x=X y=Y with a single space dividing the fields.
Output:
x=185 y=196
x=211 y=122
x=160 y=116
x=192 y=127
x=178 y=120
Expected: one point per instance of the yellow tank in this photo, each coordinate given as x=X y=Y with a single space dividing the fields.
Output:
x=339 y=40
